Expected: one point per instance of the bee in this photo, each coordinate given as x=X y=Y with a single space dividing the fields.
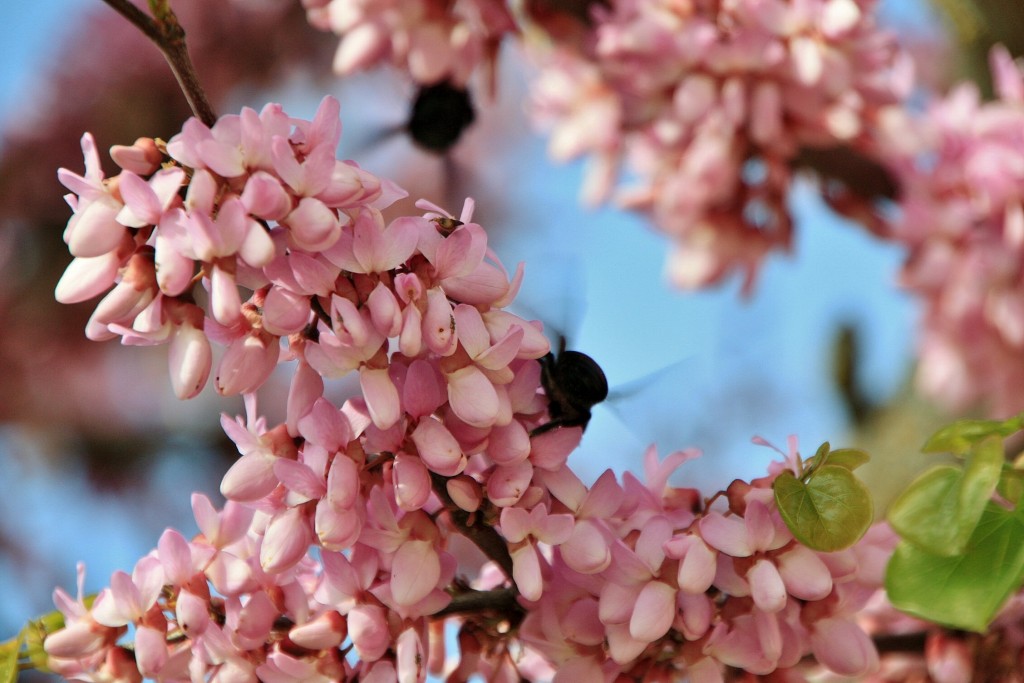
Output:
x=440 y=114
x=574 y=383
x=446 y=225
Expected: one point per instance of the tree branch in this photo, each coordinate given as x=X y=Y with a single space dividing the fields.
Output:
x=484 y=537
x=169 y=37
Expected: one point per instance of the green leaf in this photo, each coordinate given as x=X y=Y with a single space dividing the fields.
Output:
x=940 y=509
x=35 y=633
x=958 y=437
x=819 y=458
x=9 y=659
x=923 y=513
x=850 y=458
x=964 y=591
x=831 y=511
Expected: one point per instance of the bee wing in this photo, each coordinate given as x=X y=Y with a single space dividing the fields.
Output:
x=665 y=407
x=553 y=292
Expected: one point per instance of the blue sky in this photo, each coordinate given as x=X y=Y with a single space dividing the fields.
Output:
x=738 y=368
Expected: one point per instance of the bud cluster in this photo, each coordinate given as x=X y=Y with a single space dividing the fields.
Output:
x=711 y=103
x=961 y=164
x=352 y=533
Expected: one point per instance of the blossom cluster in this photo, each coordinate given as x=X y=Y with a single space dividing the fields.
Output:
x=441 y=493
x=961 y=166
x=710 y=104
x=432 y=40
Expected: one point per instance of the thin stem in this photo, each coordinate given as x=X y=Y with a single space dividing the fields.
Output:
x=169 y=36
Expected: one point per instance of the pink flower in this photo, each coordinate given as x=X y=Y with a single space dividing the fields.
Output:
x=524 y=529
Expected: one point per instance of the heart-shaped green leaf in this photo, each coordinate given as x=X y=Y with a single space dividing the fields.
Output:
x=966 y=590
x=850 y=458
x=828 y=512
x=940 y=509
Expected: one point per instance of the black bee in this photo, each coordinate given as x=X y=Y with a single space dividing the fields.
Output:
x=440 y=114
x=574 y=383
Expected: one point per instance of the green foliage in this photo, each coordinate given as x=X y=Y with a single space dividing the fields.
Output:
x=962 y=553
x=964 y=590
x=9 y=658
x=827 y=508
x=959 y=437
x=939 y=510
x=26 y=649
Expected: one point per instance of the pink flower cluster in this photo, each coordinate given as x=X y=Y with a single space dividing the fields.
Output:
x=961 y=165
x=433 y=40
x=711 y=102
x=431 y=496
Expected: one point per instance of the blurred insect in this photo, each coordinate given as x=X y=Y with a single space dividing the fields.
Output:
x=446 y=225
x=440 y=115
x=574 y=383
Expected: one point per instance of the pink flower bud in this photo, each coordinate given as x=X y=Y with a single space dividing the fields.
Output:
x=225 y=301
x=305 y=388
x=313 y=226
x=439 y=324
x=410 y=339
x=438 y=449
x=465 y=492
x=472 y=396
x=94 y=230
x=415 y=571
x=326 y=631
x=805 y=575
x=189 y=360
x=509 y=444
x=146 y=202
x=151 y=653
x=843 y=647
x=410 y=657
x=174 y=270
x=285 y=541
x=508 y=483
x=192 y=613
x=337 y=528
x=264 y=197
x=142 y=157
x=87 y=277
x=175 y=557
x=369 y=632
x=384 y=311
x=586 y=550
x=247 y=363
x=77 y=640
x=766 y=586
x=381 y=396
x=654 y=611
x=424 y=389
x=411 y=481
x=285 y=312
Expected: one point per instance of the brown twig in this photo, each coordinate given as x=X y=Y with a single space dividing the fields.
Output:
x=169 y=37
x=484 y=537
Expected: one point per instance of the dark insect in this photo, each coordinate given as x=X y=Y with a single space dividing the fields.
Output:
x=446 y=225
x=440 y=114
x=574 y=383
